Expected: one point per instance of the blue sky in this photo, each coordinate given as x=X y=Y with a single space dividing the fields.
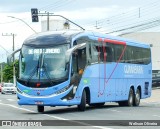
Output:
x=88 y=13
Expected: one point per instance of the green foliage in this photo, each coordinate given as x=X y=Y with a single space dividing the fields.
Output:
x=8 y=71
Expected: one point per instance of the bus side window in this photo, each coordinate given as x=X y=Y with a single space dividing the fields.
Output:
x=109 y=54
x=128 y=55
x=95 y=53
x=101 y=53
x=78 y=65
x=88 y=53
x=74 y=62
x=82 y=58
x=146 y=56
x=118 y=52
x=138 y=56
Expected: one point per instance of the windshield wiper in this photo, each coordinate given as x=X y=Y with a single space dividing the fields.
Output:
x=32 y=74
x=34 y=70
x=39 y=69
x=47 y=75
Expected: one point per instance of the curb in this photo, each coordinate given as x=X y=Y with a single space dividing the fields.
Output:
x=154 y=88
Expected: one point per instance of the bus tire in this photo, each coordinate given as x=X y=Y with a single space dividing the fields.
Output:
x=82 y=106
x=40 y=108
x=130 y=98
x=137 y=97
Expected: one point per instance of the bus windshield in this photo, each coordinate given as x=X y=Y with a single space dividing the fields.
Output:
x=40 y=64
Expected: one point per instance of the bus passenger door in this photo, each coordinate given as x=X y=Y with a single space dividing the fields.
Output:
x=78 y=66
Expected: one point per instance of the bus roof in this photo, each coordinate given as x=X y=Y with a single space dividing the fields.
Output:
x=50 y=38
x=128 y=41
x=62 y=37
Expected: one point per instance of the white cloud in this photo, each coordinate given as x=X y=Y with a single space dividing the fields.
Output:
x=86 y=17
x=10 y=26
x=22 y=31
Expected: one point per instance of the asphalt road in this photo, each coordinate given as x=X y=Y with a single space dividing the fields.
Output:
x=149 y=109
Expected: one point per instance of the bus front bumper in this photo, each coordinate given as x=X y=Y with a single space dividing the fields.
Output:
x=51 y=100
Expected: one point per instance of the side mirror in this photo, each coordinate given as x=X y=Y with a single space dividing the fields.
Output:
x=9 y=58
x=69 y=51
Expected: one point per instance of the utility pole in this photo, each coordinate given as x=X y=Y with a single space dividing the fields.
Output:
x=97 y=25
x=48 y=14
x=13 y=37
x=1 y=73
x=48 y=21
x=139 y=12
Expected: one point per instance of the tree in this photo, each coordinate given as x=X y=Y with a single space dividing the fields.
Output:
x=8 y=72
x=1 y=70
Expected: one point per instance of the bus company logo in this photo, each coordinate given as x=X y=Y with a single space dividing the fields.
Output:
x=38 y=93
x=133 y=69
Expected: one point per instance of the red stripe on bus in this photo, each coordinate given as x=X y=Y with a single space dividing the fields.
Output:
x=115 y=42
x=100 y=39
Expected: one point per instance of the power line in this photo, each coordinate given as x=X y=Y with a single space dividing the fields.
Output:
x=50 y=5
x=5 y=49
x=130 y=15
x=140 y=29
x=57 y=4
x=23 y=22
x=157 y=22
x=134 y=23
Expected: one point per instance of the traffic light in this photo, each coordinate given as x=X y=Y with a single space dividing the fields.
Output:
x=34 y=14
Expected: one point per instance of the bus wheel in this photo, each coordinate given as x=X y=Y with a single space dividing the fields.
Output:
x=40 y=108
x=82 y=105
x=137 y=98
x=130 y=98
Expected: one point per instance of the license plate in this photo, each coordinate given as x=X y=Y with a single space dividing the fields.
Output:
x=38 y=102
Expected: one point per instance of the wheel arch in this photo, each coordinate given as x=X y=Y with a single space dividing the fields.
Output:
x=133 y=88
x=88 y=95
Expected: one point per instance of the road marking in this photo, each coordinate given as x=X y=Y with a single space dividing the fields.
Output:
x=152 y=102
x=156 y=115
x=55 y=117
x=113 y=110
x=16 y=107
x=11 y=100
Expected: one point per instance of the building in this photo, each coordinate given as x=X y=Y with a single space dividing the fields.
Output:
x=56 y=24
x=152 y=38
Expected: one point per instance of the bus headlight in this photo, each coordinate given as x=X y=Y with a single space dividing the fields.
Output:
x=19 y=91
x=63 y=90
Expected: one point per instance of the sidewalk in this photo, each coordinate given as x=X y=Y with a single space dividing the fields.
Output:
x=155 y=96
